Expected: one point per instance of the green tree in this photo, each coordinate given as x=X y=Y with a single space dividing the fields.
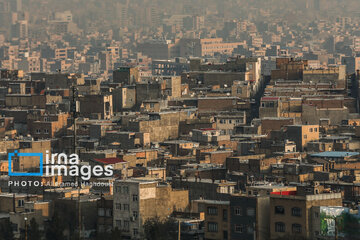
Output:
x=157 y=229
x=6 y=231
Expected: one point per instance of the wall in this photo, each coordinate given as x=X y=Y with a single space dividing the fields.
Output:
x=216 y=104
x=312 y=115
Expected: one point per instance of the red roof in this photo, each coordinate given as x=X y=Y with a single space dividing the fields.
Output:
x=269 y=98
x=287 y=193
x=207 y=129
x=109 y=160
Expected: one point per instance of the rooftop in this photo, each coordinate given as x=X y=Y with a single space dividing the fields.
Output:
x=335 y=154
x=315 y=197
x=109 y=160
x=4 y=215
x=213 y=202
x=270 y=186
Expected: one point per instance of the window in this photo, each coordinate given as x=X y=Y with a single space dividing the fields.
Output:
x=108 y=212
x=118 y=223
x=101 y=212
x=316 y=214
x=225 y=235
x=126 y=226
x=118 y=189
x=239 y=90
x=135 y=198
x=295 y=211
x=238 y=211
x=239 y=228
x=135 y=214
x=212 y=227
x=225 y=215
x=296 y=228
x=135 y=231
x=279 y=210
x=46 y=131
x=20 y=203
x=250 y=212
x=38 y=131
x=212 y=210
x=126 y=189
x=14 y=227
x=315 y=129
x=305 y=136
x=311 y=129
x=118 y=206
x=279 y=227
x=126 y=207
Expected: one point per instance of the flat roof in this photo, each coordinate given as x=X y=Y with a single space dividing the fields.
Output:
x=141 y=180
x=4 y=215
x=271 y=187
x=335 y=154
x=217 y=202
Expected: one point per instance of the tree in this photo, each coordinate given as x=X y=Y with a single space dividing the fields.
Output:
x=351 y=226
x=115 y=234
x=55 y=229
x=33 y=230
x=6 y=231
x=157 y=229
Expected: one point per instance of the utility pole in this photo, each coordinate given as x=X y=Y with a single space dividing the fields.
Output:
x=179 y=234
x=78 y=179
x=26 y=228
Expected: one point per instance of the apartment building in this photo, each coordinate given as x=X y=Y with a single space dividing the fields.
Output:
x=290 y=215
x=139 y=199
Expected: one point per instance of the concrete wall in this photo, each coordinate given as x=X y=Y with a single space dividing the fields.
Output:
x=312 y=115
x=216 y=104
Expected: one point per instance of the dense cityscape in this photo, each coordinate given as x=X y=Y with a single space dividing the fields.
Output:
x=179 y=120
